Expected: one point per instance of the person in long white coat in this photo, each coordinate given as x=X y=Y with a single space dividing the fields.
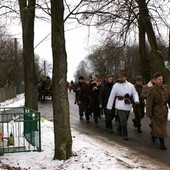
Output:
x=124 y=94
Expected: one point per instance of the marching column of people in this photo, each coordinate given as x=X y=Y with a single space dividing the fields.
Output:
x=116 y=100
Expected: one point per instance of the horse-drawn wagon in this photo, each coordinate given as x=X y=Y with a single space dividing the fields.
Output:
x=44 y=89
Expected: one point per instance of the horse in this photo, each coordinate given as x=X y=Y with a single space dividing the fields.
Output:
x=44 y=89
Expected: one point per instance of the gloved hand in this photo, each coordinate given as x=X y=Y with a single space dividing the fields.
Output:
x=120 y=97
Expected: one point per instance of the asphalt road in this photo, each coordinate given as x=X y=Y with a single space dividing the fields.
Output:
x=140 y=142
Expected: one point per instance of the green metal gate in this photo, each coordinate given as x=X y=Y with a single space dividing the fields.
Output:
x=20 y=130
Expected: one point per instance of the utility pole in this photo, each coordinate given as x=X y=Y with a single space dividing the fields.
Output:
x=16 y=50
x=16 y=65
x=45 y=68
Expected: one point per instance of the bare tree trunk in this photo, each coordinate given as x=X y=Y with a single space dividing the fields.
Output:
x=169 y=60
x=27 y=14
x=62 y=132
x=169 y=48
x=144 y=60
x=157 y=59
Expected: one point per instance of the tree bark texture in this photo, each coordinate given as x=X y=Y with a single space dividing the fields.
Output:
x=27 y=15
x=144 y=60
x=62 y=132
x=169 y=48
x=157 y=61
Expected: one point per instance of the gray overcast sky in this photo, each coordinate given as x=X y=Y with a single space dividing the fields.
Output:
x=77 y=43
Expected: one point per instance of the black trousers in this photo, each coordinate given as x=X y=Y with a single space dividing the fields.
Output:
x=139 y=114
x=96 y=114
x=81 y=110
x=109 y=115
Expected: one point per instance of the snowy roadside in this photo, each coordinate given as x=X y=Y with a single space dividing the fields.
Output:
x=88 y=153
x=15 y=102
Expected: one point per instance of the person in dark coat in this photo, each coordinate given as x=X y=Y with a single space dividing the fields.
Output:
x=138 y=109
x=103 y=99
x=84 y=98
x=76 y=90
x=157 y=109
x=94 y=102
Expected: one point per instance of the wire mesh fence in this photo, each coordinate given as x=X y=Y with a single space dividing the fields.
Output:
x=20 y=130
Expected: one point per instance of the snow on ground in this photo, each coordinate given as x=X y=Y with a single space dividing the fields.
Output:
x=88 y=153
x=15 y=102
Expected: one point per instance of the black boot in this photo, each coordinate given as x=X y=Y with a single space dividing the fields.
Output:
x=119 y=129
x=139 y=130
x=106 y=124
x=153 y=139
x=125 y=133
x=110 y=130
x=162 y=144
x=134 y=123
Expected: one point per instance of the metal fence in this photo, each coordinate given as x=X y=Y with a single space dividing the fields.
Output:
x=20 y=130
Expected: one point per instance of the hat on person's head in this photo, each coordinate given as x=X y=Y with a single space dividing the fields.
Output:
x=139 y=78
x=156 y=75
x=81 y=78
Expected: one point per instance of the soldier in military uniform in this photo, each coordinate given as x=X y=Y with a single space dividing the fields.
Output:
x=157 y=110
x=147 y=87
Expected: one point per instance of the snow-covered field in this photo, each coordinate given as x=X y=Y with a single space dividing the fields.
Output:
x=88 y=153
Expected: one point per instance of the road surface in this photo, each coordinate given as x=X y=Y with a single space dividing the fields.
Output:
x=140 y=142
